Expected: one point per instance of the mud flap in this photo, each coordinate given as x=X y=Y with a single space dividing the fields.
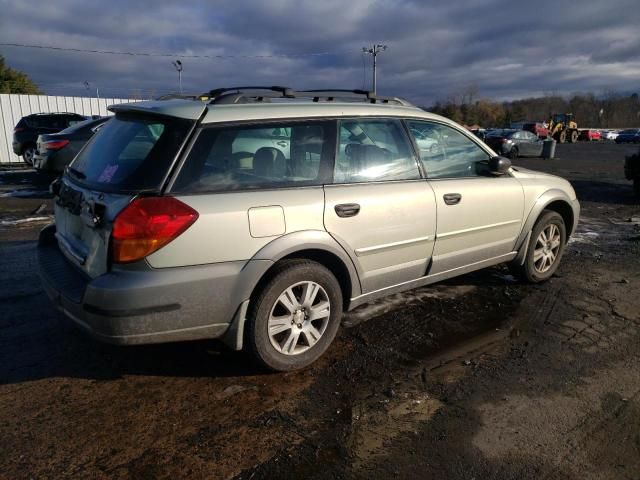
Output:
x=233 y=337
x=522 y=251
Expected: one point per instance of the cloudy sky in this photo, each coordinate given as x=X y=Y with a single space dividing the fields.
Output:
x=507 y=49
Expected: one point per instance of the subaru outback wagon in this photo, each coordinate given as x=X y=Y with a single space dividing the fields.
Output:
x=260 y=215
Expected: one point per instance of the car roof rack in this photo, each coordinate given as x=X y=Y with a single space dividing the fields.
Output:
x=258 y=94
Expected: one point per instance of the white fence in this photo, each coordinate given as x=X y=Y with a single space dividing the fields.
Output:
x=13 y=107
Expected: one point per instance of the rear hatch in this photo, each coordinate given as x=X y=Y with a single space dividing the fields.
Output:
x=130 y=156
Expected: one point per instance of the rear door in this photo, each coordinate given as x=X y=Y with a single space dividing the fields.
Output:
x=479 y=215
x=379 y=208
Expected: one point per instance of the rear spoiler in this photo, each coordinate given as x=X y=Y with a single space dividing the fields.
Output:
x=187 y=109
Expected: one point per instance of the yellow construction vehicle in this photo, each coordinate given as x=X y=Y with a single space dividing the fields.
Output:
x=562 y=127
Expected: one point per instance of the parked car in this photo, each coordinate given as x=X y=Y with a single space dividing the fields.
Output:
x=162 y=234
x=56 y=150
x=609 y=134
x=590 y=135
x=632 y=171
x=25 y=133
x=514 y=143
x=537 y=128
x=631 y=135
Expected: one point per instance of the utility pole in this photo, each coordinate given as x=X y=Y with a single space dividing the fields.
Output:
x=178 y=66
x=374 y=50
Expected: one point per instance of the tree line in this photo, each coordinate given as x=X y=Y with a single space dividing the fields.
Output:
x=609 y=110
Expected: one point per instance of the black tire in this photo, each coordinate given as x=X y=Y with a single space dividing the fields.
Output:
x=28 y=153
x=287 y=274
x=528 y=271
x=573 y=137
x=562 y=137
x=636 y=186
x=513 y=154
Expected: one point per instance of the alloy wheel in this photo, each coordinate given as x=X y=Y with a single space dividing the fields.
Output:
x=547 y=248
x=299 y=318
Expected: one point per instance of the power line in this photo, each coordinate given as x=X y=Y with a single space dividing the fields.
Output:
x=175 y=55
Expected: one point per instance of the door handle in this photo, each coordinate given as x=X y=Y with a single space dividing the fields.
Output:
x=452 y=198
x=282 y=143
x=347 y=209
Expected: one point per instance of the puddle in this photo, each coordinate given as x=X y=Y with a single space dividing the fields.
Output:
x=377 y=422
x=25 y=193
x=20 y=221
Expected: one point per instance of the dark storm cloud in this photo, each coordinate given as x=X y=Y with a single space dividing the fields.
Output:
x=506 y=49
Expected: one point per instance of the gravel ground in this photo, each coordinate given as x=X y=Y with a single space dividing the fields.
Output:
x=479 y=377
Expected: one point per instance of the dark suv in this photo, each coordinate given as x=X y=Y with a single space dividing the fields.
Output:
x=26 y=132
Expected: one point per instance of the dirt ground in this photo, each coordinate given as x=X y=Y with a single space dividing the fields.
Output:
x=480 y=377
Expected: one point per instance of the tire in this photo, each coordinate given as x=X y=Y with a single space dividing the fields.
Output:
x=531 y=270
x=513 y=154
x=562 y=137
x=28 y=153
x=296 y=341
x=573 y=136
x=636 y=186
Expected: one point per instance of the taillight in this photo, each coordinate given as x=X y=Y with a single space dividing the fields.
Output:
x=146 y=225
x=18 y=129
x=55 y=144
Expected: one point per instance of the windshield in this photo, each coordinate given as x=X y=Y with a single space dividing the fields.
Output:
x=130 y=153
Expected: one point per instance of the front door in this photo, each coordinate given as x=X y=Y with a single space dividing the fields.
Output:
x=479 y=215
x=378 y=208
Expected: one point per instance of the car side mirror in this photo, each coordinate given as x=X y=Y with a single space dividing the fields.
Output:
x=499 y=165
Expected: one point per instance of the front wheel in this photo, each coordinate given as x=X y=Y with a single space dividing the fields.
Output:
x=295 y=317
x=513 y=154
x=545 y=249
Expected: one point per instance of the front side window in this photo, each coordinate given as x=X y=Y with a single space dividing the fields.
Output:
x=447 y=153
x=373 y=150
x=259 y=156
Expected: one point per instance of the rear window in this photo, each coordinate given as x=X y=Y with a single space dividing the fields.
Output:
x=130 y=153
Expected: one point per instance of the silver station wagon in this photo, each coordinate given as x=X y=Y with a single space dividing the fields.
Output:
x=258 y=215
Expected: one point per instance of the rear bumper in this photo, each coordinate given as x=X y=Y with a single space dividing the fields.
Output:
x=139 y=305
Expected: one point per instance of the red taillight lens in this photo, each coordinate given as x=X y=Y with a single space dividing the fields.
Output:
x=18 y=129
x=503 y=140
x=55 y=144
x=146 y=225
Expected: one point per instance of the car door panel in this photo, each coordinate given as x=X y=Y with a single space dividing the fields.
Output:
x=483 y=225
x=391 y=238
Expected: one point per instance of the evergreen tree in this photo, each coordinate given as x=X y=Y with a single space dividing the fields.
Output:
x=13 y=81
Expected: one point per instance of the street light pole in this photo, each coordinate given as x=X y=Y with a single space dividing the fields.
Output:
x=374 y=50
x=178 y=66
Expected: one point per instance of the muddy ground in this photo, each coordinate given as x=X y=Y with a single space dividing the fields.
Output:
x=480 y=377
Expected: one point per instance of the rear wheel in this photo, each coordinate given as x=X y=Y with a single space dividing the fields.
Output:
x=295 y=317
x=28 y=154
x=545 y=249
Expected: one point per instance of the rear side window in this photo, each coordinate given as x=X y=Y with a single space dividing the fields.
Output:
x=130 y=153
x=259 y=156
x=373 y=150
